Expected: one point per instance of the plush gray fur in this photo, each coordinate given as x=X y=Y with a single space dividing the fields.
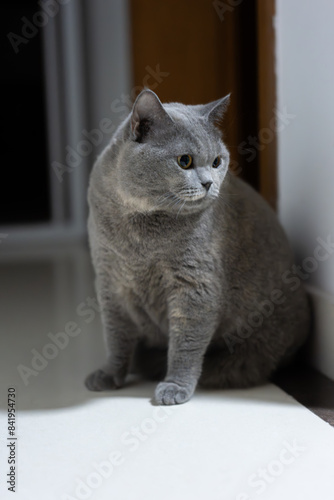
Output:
x=198 y=271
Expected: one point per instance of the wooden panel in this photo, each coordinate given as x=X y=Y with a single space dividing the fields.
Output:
x=188 y=40
x=207 y=56
x=267 y=99
x=183 y=38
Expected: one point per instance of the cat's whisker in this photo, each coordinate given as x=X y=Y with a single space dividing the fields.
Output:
x=177 y=201
x=222 y=198
x=162 y=199
x=179 y=211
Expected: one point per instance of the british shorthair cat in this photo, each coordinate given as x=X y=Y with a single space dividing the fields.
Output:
x=189 y=259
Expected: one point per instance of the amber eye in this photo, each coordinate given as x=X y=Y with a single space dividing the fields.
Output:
x=216 y=162
x=185 y=161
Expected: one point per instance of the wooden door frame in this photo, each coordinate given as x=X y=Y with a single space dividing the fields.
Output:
x=150 y=47
x=267 y=99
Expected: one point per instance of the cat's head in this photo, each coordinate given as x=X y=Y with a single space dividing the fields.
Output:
x=173 y=158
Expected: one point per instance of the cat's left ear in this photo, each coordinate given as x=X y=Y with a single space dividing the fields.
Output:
x=148 y=115
x=215 y=110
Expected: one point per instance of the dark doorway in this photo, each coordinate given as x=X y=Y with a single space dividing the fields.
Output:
x=25 y=196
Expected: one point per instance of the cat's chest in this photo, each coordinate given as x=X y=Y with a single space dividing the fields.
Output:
x=145 y=270
x=136 y=274
x=140 y=262
x=141 y=286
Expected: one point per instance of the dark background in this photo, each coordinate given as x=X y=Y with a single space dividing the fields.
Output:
x=25 y=194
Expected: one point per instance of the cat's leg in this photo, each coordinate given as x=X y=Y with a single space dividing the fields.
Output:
x=190 y=332
x=120 y=340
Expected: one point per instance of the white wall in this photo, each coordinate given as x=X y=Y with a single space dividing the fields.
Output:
x=305 y=72
x=305 y=85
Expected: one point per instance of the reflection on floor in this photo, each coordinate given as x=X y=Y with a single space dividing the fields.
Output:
x=72 y=444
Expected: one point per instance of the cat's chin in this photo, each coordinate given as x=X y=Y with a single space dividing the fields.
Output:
x=198 y=204
x=194 y=198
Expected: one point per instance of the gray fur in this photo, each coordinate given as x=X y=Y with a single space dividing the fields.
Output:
x=183 y=268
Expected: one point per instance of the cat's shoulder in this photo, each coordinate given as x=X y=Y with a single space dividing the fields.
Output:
x=240 y=193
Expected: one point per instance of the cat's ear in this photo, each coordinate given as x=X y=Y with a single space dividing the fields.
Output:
x=147 y=115
x=215 y=111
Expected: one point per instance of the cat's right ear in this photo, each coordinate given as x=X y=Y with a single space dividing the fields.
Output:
x=148 y=115
x=215 y=111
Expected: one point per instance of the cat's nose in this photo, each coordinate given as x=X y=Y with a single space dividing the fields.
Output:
x=207 y=185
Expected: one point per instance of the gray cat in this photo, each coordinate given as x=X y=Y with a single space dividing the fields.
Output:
x=187 y=257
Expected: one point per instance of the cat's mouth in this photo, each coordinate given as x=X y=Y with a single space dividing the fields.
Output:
x=187 y=201
x=194 y=197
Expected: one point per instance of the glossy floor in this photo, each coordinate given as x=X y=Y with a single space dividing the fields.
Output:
x=73 y=444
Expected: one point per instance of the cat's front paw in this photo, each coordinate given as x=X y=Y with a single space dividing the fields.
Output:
x=169 y=393
x=100 y=381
